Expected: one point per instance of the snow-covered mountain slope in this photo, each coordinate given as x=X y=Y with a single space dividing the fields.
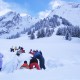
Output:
x=69 y=11
x=47 y=26
x=13 y=22
x=64 y=15
x=62 y=59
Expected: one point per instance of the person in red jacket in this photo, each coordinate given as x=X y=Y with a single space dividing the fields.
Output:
x=32 y=52
x=22 y=50
x=34 y=64
x=25 y=65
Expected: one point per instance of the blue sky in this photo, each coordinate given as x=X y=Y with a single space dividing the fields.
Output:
x=31 y=6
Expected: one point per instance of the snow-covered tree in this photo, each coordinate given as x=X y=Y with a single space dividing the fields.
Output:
x=38 y=34
x=42 y=33
x=68 y=35
x=65 y=22
x=32 y=36
x=24 y=31
x=29 y=32
x=49 y=32
x=17 y=35
x=59 y=31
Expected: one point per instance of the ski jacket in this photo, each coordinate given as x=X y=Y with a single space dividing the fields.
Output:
x=25 y=66
x=37 y=55
x=33 y=60
x=34 y=65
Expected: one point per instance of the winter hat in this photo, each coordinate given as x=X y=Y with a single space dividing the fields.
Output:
x=25 y=61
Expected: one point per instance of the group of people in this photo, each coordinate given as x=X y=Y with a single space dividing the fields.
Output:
x=32 y=64
x=19 y=50
x=37 y=61
x=13 y=49
x=37 y=56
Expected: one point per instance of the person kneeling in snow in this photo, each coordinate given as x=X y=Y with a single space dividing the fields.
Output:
x=25 y=65
x=34 y=64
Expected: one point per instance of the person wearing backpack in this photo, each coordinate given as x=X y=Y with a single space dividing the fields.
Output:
x=1 y=56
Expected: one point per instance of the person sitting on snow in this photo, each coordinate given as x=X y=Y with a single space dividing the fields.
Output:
x=25 y=65
x=18 y=52
x=22 y=50
x=15 y=48
x=34 y=64
x=12 y=49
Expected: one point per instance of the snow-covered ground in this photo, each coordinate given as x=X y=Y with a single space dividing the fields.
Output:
x=62 y=59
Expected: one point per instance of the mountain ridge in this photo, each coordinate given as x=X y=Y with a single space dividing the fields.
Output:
x=13 y=23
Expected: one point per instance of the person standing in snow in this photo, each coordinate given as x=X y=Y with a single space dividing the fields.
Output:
x=1 y=56
x=39 y=56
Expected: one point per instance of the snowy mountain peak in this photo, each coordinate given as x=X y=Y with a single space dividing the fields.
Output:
x=11 y=13
x=23 y=14
x=57 y=3
x=12 y=23
x=74 y=5
x=69 y=11
x=60 y=3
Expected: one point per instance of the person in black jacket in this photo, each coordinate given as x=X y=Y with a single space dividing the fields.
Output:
x=33 y=60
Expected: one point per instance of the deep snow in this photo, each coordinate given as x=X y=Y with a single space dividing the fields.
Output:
x=62 y=59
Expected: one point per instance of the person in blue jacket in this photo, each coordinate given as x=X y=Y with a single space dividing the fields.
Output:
x=1 y=56
x=38 y=54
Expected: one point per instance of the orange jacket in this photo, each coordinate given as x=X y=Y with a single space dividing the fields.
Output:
x=25 y=65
